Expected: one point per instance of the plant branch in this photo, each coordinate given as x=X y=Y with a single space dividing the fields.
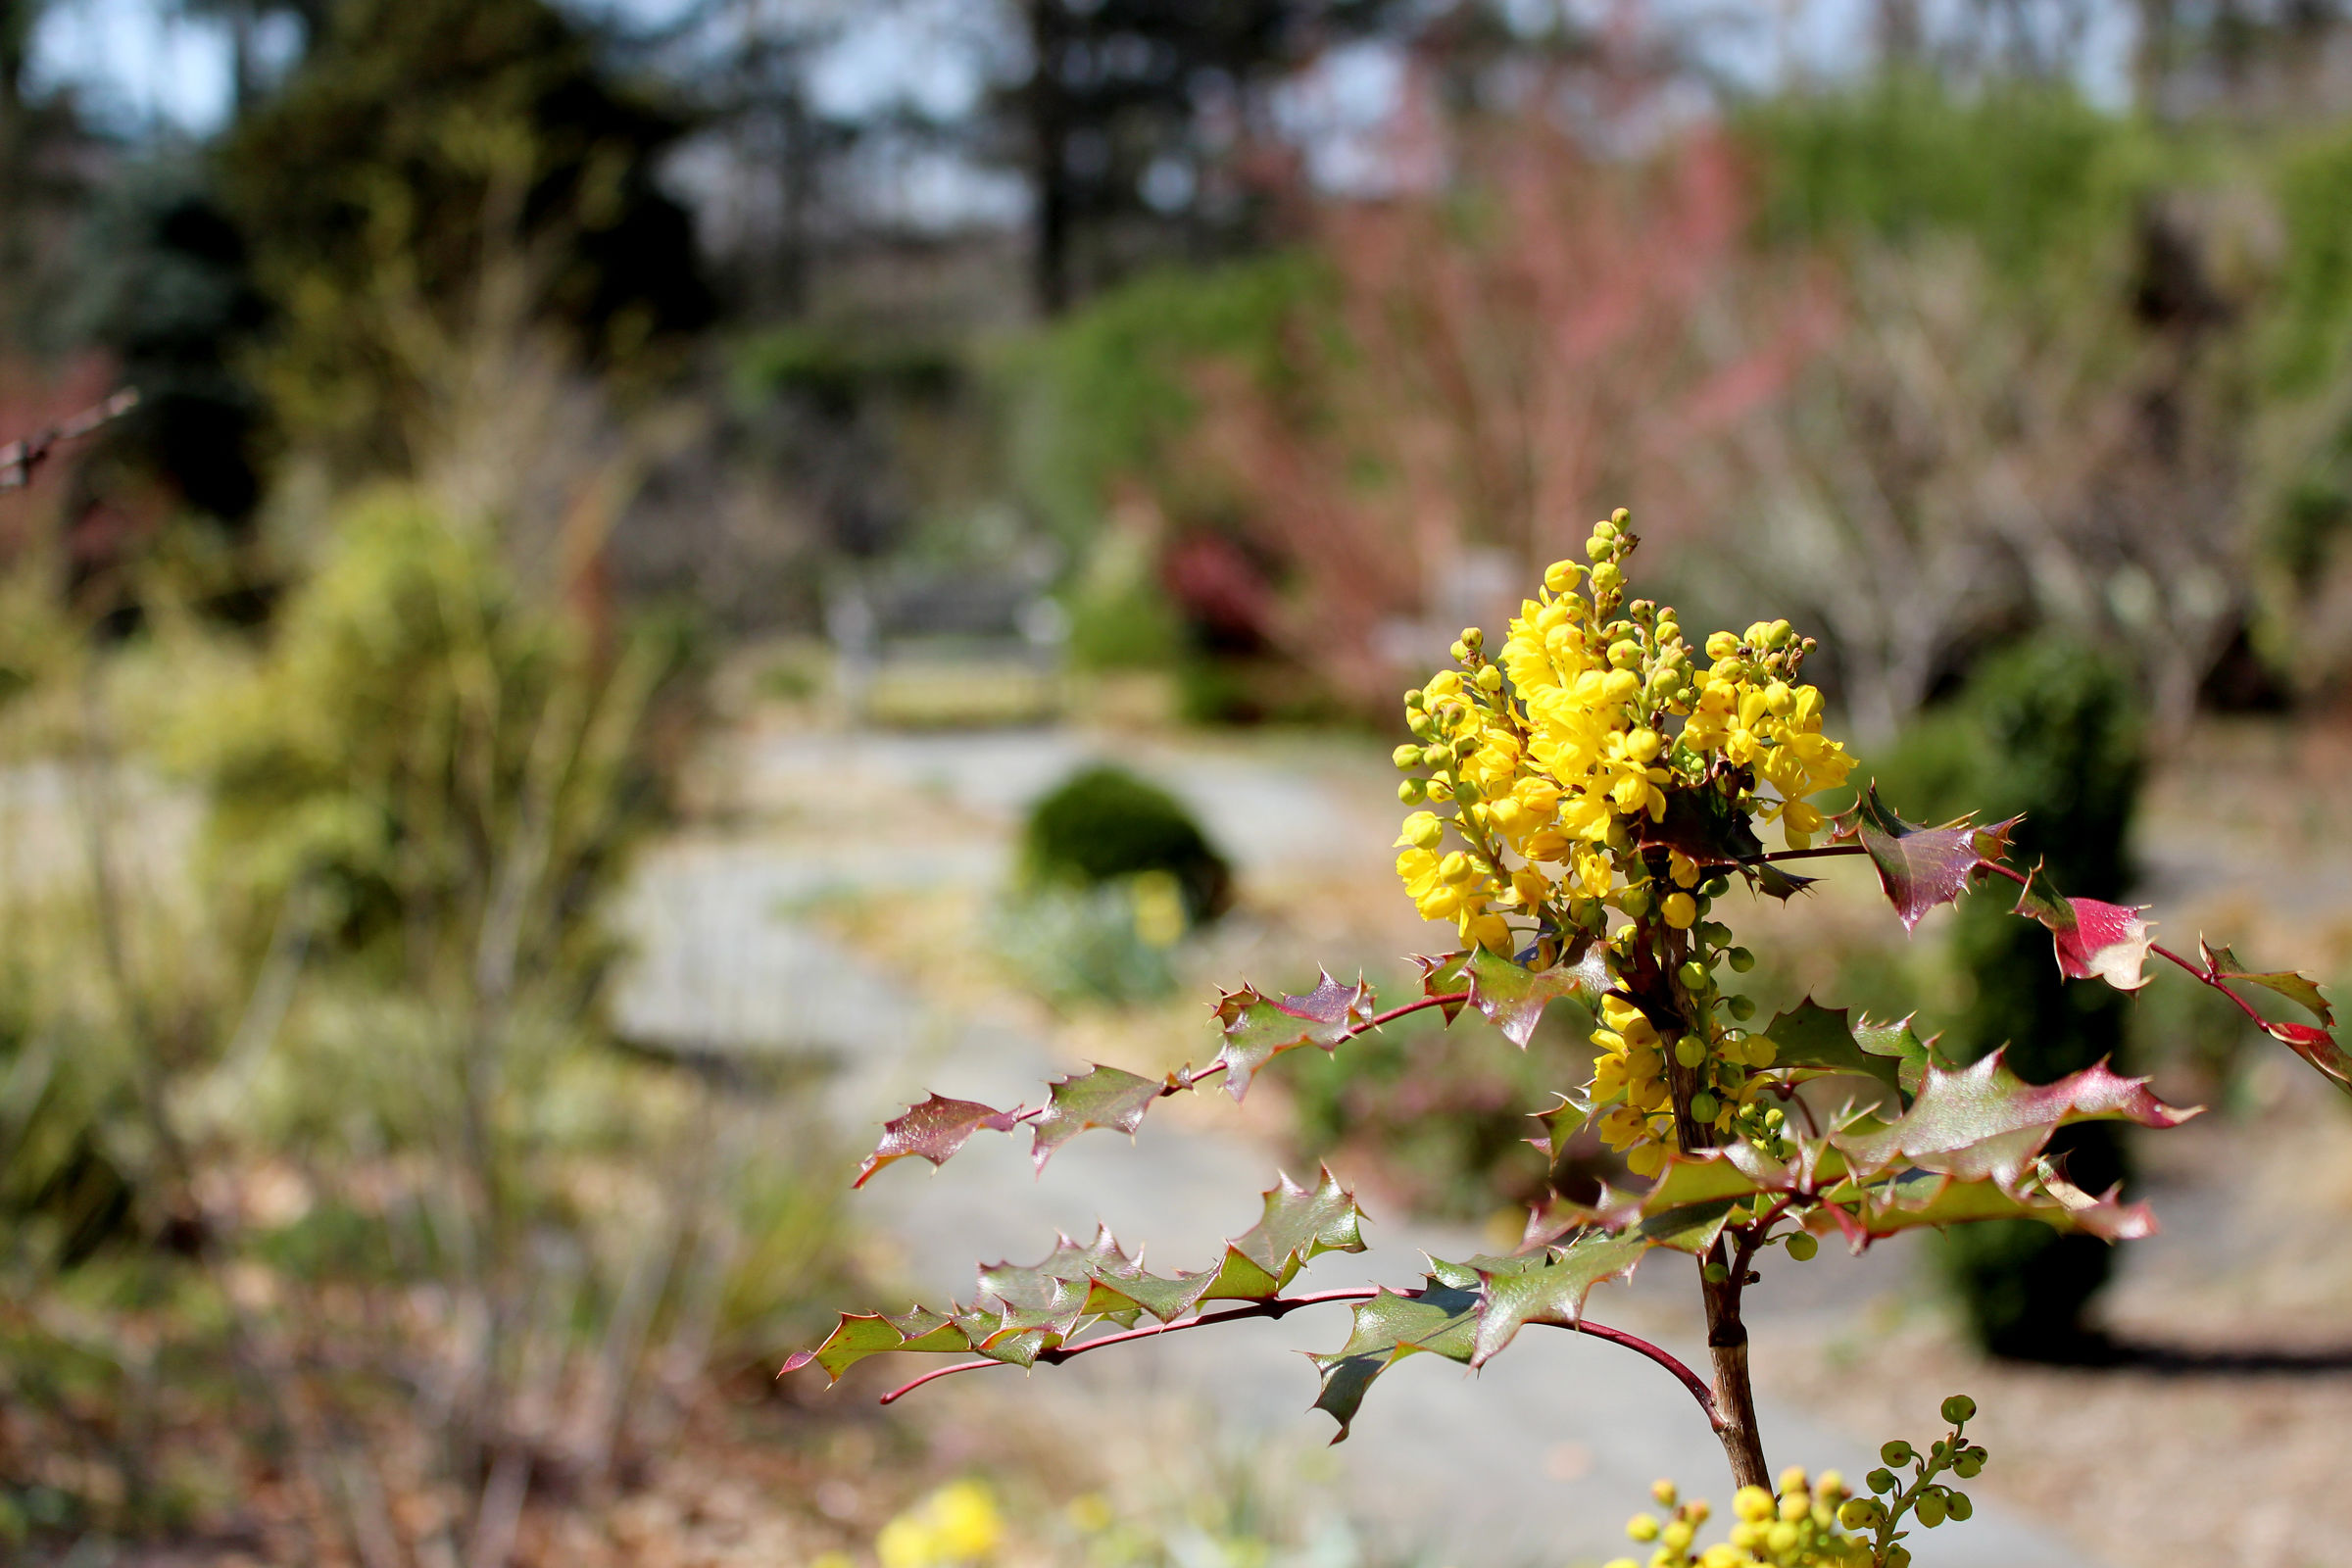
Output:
x=1282 y=1306
x=19 y=459
x=2206 y=976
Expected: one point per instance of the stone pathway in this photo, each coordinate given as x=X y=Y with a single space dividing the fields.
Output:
x=1538 y=1460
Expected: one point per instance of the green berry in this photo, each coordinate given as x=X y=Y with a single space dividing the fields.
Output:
x=1803 y=1246
x=1437 y=754
x=1930 y=1507
x=1881 y=1480
x=1958 y=1408
x=1635 y=901
x=1896 y=1452
x=1693 y=976
x=1412 y=792
x=1968 y=1466
x=1689 y=1050
x=1740 y=1008
x=1406 y=757
x=1958 y=1506
x=1741 y=960
x=1704 y=1105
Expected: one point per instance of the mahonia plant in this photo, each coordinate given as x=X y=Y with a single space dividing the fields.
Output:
x=1582 y=801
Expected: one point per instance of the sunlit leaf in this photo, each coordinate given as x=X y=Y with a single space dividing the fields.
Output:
x=1440 y=1320
x=1812 y=1036
x=1100 y=1097
x=933 y=1130
x=1920 y=867
x=1984 y=1121
x=2301 y=990
x=1513 y=998
x=2094 y=939
x=1554 y=1291
x=1258 y=1028
x=1445 y=976
x=1930 y=1199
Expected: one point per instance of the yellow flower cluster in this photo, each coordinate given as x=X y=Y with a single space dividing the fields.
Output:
x=1557 y=764
x=1797 y=1529
x=1558 y=754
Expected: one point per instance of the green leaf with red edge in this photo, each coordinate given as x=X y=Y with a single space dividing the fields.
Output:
x=1920 y=867
x=1100 y=1097
x=1440 y=1319
x=2094 y=940
x=2301 y=990
x=1260 y=1028
x=1021 y=1313
x=1983 y=1122
x=933 y=1130
x=1822 y=1039
x=2317 y=1047
x=1554 y=1291
x=1445 y=976
x=1919 y=1200
x=1513 y=998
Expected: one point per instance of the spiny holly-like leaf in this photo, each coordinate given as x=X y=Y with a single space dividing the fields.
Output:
x=1554 y=1291
x=933 y=1130
x=1984 y=1121
x=1440 y=1319
x=1258 y=1028
x=1020 y=1314
x=1927 y=1198
x=1444 y=977
x=2094 y=940
x=2301 y=990
x=1817 y=1037
x=1301 y=1223
x=1920 y=868
x=1513 y=998
x=1772 y=882
x=1100 y=1097
x=860 y=1335
x=2317 y=1047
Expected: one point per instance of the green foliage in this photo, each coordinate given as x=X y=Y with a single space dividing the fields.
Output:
x=440 y=170
x=1104 y=824
x=2048 y=731
x=2034 y=175
x=1112 y=388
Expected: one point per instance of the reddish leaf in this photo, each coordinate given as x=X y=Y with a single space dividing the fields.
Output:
x=2094 y=940
x=1983 y=1121
x=1513 y=998
x=1920 y=867
x=1258 y=1028
x=1100 y=1097
x=2318 y=1047
x=2222 y=964
x=933 y=1130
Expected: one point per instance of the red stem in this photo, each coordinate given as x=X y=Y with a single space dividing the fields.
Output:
x=2200 y=973
x=1281 y=1307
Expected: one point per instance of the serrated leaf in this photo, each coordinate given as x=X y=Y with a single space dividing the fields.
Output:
x=1920 y=867
x=1443 y=976
x=2094 y=939
x=1983 y=1121
x=2317 y=1047
x=1440 y=1320
x=1258 y=1028
x=1513 y=998
x=1100 y=1097
x=860 y=1335
x=1772 y=882
x=1812 y=1036
x=1927 y=1198
x=2301 y=990
x=1301 y=1223
x=933 y=1130
x=1554 y=1291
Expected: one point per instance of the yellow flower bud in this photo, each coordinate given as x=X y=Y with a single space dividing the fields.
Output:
x=1561 y=575
x=1779 y=699
x=1406 y=757
x=1722 y=645
x=1679 y=909
x=1641 y=1527
x=1622 y=686
x=1489 y=678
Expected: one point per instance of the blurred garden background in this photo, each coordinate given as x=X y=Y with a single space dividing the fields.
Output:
x=685 y=570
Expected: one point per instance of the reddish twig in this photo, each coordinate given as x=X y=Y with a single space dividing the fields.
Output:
x=19 y=459
x=2206 y=976
x=1281 y=1307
